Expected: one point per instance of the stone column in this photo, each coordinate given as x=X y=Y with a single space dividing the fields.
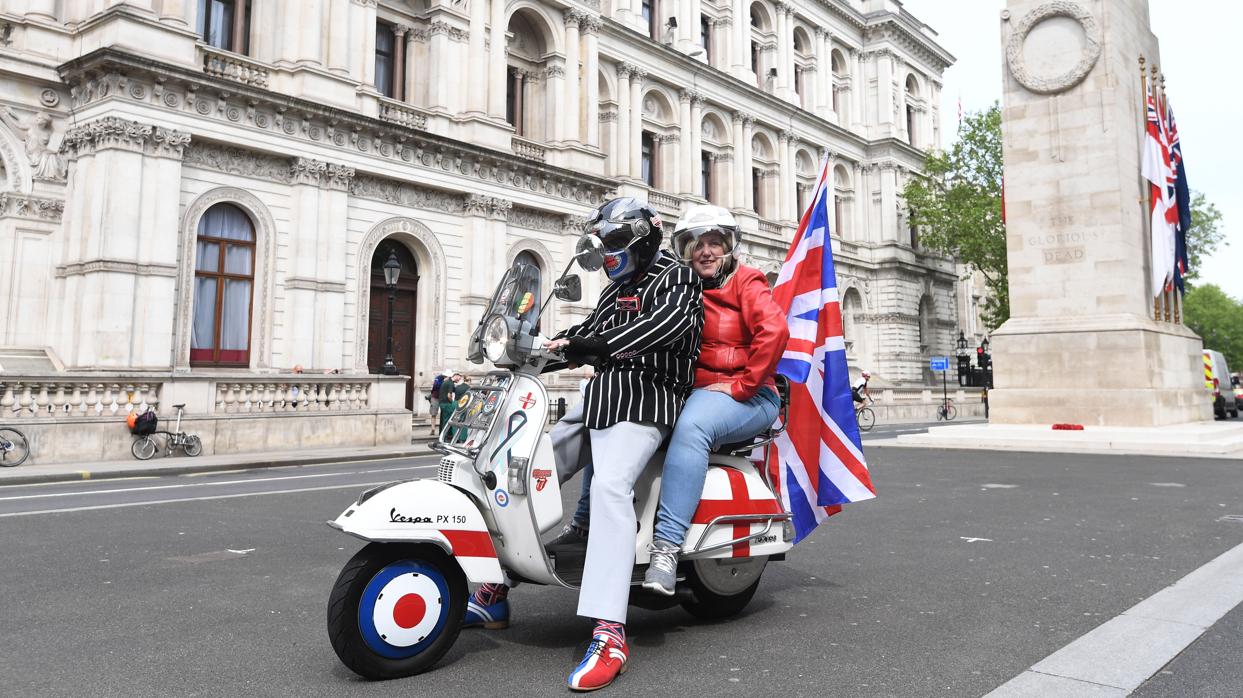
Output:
x=555 y=105
x=591 y=80
x=934 y=117
x=784 y=37
x=695 y=18
x=477 y=59
x=740 y=59
x=884 y=93
x=824 y=45
x=174 y=12
x=899 y=96
x=858 y=92
x=440 y=66
x=621 y=132
x=748 y=162
x=811 y=87
x=740 y=167
x=786 y=180
x=43 y=9
x=366 y=15
x=685 y=186
x=621 y=11
x=121 y=235
x=497 y=68
x=671 y=154
x=830 y=191
x=338 y=37
x=570 y=112
x=696 y=148
x=484 y=247
x=636 y=122
x=723 y=174
x=863 y=202
x=889 y=202
x=401 y=33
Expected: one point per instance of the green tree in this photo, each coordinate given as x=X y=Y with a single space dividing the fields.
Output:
x=1204 y=235
x=1218 y=318
x=957 y=206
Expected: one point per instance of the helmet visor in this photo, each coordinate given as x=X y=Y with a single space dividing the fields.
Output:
x=616 y=235
x=686 y=241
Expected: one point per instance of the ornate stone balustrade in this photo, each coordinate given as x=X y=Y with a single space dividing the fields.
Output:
x=38 y=397
x=282 y=396
x=664 y=201
x=770 y=228
x=230 y=66
x=403 y=114
x=528 y=149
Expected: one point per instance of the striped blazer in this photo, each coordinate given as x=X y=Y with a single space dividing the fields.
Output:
x=651 y=328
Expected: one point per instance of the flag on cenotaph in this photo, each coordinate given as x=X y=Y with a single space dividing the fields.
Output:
x=1182 y=195
x=1163 y=210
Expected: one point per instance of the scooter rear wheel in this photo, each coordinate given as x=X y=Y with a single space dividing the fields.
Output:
x=722 y=586
x=396 y=609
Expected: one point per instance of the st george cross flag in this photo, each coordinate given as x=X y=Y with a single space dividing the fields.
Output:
x=818 y=461
x=1182 y=196
x=1163 y=209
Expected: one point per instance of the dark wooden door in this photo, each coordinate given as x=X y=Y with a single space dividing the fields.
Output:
x=404 y=311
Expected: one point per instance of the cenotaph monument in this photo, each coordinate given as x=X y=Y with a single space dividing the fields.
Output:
x=1082 y=345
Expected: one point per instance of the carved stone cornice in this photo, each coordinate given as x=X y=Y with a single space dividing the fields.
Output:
x=574 y=18
x=307 y=171
x=491 y=207
x=117 y=75
x=238 y=161
x=634 y=71
x=338 y=177
x=786 y=136
x=723 y=22
x=533 y=219
x=115 y=266
x=114 y=132
x=405 y=194
x=34 y=207
x=439 y=26
x=668 y=138
x=554 y=70
x=608 y=116
x=590 y=25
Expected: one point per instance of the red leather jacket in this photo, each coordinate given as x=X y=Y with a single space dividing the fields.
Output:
x=744 y=335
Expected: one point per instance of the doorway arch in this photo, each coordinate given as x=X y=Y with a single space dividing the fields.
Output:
x=402 y=303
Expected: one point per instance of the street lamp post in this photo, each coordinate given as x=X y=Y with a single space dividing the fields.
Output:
x=392 y=272
x=963 y=361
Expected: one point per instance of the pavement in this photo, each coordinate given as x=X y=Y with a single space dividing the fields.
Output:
x=182 y=464
x=969 y=569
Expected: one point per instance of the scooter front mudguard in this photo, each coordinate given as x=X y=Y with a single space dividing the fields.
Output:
x=425 y=511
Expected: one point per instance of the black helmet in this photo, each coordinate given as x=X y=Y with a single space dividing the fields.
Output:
x=632 y=234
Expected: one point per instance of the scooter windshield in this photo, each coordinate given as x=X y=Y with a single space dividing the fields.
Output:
x=517 y=296
x=506 y=332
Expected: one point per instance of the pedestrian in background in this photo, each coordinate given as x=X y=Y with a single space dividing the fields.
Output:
x=433 y=400
x=447 y=397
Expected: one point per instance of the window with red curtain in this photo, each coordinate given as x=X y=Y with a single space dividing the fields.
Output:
x=224 y=280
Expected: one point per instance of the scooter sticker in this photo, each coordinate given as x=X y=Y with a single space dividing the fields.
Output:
x=502 y=498
x=517 y=420
x=527 y=401
x=541 y=478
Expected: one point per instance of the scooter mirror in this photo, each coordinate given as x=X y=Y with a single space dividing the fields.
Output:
x=568 y=288
x=589 y=253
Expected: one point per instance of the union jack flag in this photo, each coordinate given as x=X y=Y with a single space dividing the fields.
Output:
x=818 y=461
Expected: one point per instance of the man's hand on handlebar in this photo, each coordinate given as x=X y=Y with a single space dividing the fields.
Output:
x=557 y=346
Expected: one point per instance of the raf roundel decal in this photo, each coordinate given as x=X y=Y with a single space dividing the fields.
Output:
x=502 y=498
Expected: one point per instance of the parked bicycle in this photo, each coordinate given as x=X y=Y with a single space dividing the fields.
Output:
x=145 y=445
x=14 y=449
x=946 y=411
x=865 y=416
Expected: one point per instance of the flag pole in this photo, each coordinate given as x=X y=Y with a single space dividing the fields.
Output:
x=1158 y=91
x=1146 y=189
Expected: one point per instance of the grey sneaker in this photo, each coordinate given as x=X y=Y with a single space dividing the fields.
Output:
x=662 y=572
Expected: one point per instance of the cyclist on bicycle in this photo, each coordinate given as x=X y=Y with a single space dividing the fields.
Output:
x=860 y=390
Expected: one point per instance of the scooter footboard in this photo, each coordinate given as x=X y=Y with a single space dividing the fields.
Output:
x=425 y=511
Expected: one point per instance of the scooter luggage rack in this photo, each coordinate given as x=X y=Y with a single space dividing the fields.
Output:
x=769 y=520
x=443 y=448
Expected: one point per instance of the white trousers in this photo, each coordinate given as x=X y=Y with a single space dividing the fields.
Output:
x=618 y=456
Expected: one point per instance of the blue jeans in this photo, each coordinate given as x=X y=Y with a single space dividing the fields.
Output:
x=709 y=420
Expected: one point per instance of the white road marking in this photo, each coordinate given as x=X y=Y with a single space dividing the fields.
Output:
x=241 y=552
x=1167 y=484
x=188 y=499
x=996 y=486
x=210 y=484
x=1109 y=660
x=976 y=540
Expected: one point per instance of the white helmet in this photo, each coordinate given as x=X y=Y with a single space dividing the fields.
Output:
x=705 y=218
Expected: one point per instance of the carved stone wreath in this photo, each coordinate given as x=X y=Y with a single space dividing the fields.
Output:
x=1087 y=59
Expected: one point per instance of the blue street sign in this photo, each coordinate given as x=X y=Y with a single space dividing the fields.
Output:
x=939 y=363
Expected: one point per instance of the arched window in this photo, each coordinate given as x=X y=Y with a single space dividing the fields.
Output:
x=224 y=279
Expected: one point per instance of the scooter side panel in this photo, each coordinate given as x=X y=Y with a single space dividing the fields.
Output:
x=426 y=511
x=519 y=430
x=734 y=487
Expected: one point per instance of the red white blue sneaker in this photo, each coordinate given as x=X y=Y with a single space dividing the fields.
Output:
x=605 y=660
x=494 y=616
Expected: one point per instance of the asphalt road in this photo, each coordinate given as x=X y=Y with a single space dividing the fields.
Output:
x=967 y=569
x=889 y=431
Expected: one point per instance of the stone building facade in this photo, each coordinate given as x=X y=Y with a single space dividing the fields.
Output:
x=197 y=194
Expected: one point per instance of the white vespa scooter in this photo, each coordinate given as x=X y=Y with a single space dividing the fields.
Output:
x=398 y=604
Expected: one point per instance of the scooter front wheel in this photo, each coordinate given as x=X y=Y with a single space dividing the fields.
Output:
x=396 y=609
x=722 y=586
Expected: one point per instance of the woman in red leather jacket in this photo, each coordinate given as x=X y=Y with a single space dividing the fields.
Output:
x=734 y=398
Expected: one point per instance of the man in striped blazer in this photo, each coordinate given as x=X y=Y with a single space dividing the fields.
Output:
x=643 y=339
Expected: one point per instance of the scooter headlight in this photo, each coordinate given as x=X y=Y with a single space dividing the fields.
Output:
x=495 y=336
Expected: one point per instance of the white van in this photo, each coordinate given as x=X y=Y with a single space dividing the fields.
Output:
x=1217 y=381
